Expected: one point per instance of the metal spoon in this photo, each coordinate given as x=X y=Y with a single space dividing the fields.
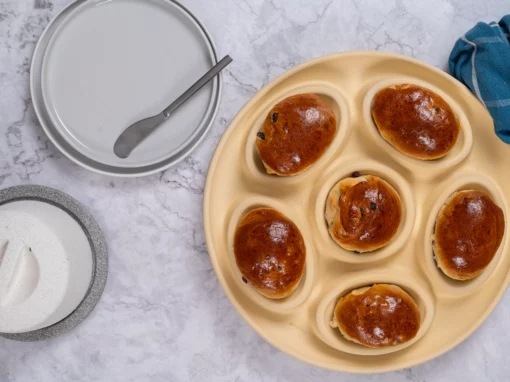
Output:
x=138 y=131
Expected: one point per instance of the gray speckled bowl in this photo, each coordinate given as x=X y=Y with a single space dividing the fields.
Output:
x=98 y=249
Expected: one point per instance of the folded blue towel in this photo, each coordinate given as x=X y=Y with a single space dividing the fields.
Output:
x=481 y=60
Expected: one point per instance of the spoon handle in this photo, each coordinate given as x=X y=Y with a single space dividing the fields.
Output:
x=138 y=131
x=197 y=85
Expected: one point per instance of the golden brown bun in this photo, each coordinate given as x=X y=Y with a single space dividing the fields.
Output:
x=378 y=316
x=270 y=252
x=468 y=232
x=296 y=132
x=416 y=121
x=363 y=213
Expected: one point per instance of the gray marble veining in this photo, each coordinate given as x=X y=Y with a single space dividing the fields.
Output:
x=163 y=316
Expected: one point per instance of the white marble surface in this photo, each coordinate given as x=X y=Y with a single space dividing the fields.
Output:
x=163 y=316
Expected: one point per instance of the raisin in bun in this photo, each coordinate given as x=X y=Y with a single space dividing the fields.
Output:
x=468 y=232
x=270 y=252
x=363 y=213
x=378 y=316
x=416 y=121
x=296 y=132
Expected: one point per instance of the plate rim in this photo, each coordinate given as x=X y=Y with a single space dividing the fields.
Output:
x=77 y=157
x=208 y=234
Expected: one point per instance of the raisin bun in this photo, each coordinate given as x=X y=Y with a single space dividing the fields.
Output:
x=270 y=252
x=296 y=132
x=378 y=316
x=363 y=213
x=416 y=121
x=468 y=232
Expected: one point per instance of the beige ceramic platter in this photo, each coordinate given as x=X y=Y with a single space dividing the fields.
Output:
x=237 y=183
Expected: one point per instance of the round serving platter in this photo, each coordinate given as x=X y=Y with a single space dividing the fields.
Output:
x=237 y=182
x=101 y=65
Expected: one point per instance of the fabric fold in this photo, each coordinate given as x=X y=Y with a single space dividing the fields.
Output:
x=481 y=60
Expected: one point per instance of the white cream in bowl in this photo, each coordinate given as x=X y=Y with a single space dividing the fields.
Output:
x=45 y=265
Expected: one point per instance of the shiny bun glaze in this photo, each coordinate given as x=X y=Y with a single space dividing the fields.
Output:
x=378 y=316
x=296 y=132
x=468 y=232
x=416 y=121
x=270 y=252
x=363 y=213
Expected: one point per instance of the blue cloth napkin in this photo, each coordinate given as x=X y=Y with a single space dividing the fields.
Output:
x=481 y=60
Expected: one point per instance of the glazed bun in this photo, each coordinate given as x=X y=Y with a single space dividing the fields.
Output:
x=468 y=232
x=378 y=316
x=270 y=252
x=296 y=132
x=363 y=213
x=416 y=121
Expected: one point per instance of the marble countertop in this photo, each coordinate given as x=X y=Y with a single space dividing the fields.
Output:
x=163 y=316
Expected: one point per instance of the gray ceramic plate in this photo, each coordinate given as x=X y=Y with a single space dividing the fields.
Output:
x=98 y=249
x=89 y=83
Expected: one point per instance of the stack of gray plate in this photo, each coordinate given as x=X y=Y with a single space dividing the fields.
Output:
x=102 y=65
